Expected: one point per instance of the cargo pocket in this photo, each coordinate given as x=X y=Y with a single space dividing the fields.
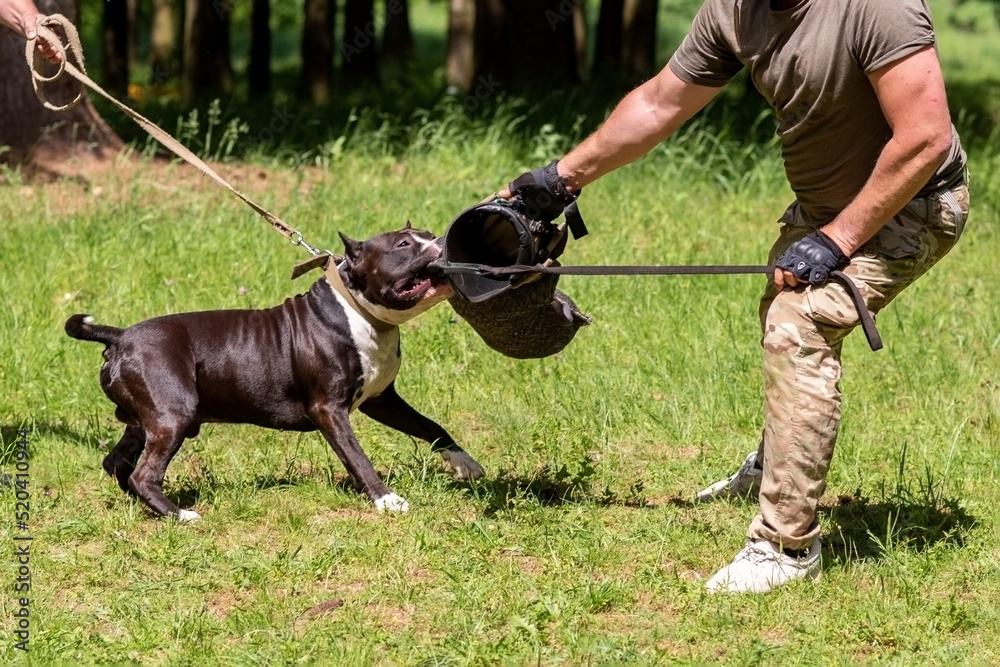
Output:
x=953 y=211
x=832 y=305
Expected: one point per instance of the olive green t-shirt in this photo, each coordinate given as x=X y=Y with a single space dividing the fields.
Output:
x=811 y=63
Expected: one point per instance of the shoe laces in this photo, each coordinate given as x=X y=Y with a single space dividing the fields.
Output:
x=754 y=554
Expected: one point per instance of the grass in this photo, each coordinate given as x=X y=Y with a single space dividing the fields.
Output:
x=580 y=546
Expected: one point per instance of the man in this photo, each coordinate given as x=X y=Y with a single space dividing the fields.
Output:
x=878 y=174
x=22 y=16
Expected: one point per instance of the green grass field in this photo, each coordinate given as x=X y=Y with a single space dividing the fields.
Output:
x=580 y=546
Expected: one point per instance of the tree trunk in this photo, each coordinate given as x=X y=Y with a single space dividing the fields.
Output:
x=359 y=64
x=397 y=36
x=259 y=68
x=610 y=30
x=163 y=41
x=114 y=48
x=489 y=34
x=208 y=71
x=460 y=66
x=640 y=38
x=132 y=21
x=316 y=84
x=580 y=37
x=35 y=135
x=540 y=44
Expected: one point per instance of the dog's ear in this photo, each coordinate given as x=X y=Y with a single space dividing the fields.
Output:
x=352 y=248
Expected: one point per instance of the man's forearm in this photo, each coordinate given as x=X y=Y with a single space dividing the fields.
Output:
x=644 y=118
x=902 y=169
x=911 y=93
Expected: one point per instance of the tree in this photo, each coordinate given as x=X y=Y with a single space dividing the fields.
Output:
x=359 y=57
x=34 y=134
x=540 y=44
x=114 y=48
x=488 y=38
x=208 y=71
x=397 y=36
x=608 y=42
x=316 y=84
x=639 y=57
x=460 y=65
x=163 y=41
x=259 y=67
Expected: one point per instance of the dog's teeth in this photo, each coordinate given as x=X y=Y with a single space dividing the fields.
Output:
x=392 y=503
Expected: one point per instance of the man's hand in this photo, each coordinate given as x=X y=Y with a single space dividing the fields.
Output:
x=809 y=260
x=22 y=16
x=543 y=192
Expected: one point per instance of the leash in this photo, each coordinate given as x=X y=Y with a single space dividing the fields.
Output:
x=867 y=321
x=35 y=61
x=325 y=258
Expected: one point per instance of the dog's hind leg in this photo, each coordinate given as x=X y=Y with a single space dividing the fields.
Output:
x=390 y=409
x=335 y=425
x=121 y=461
x=162 y=443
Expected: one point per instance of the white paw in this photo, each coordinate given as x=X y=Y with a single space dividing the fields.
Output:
x=187 y=515
x=390 y=502
x=464 y=466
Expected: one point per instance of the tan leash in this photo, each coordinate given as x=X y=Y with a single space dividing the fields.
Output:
x=35 y=62
x=320 y=258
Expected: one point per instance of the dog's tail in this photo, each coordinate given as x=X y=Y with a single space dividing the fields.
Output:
x=82 y=327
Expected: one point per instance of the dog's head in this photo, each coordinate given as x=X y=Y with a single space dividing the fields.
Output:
x=390 y=276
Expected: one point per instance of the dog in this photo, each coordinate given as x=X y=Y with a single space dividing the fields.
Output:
x=304 y=365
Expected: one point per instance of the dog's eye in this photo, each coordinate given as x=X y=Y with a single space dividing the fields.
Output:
x=405 y=243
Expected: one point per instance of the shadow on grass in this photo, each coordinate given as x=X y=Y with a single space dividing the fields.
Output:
x=862 y=529
x=547 y=487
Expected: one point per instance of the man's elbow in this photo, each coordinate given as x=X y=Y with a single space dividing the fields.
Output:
x=940 y=146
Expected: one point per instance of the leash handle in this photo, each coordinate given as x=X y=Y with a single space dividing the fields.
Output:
x=73 y=45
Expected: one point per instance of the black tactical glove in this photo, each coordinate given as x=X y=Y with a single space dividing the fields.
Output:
x=543 y=193
x=813 y=258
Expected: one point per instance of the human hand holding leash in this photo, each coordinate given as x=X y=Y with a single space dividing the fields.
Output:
x=543 y=192
x=809 y=260
x=22 y=16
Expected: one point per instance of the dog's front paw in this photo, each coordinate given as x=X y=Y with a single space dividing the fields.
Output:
x=188 y=515
x=390 y=502
x=464 y=466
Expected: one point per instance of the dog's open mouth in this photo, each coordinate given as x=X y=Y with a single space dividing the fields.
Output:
x=421 y=285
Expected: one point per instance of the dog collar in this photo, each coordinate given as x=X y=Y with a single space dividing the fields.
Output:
x=332 y=270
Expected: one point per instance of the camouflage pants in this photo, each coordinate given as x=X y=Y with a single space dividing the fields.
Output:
x=803 y=330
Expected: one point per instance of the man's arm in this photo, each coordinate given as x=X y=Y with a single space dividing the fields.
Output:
x=912 y=96
x=644 y=118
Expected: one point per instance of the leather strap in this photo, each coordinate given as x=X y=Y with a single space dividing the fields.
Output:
x=35 y=61
x=867 y=321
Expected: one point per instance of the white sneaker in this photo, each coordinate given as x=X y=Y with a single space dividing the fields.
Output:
x=761 y=566
x=745 y=483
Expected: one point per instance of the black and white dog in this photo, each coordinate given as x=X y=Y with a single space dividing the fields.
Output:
x=302 y=366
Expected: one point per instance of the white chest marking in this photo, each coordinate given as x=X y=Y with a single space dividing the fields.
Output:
x=378 y=350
